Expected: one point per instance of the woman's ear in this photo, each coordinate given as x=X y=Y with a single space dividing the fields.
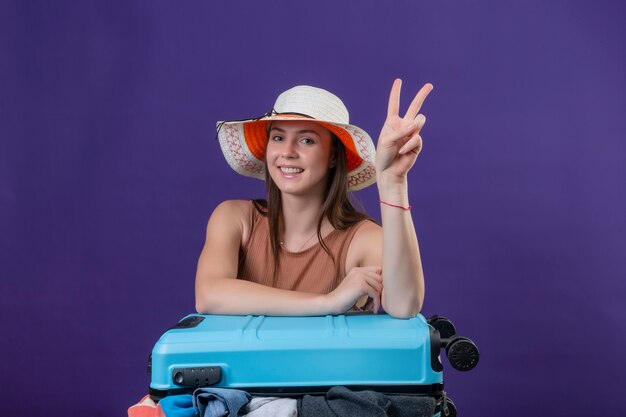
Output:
x=333 y=159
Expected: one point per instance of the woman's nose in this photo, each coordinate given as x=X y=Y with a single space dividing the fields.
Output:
x=289 y=150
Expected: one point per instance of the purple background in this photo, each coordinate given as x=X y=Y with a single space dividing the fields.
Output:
x=109 y=171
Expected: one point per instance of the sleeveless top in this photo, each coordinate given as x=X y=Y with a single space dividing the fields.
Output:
x=311 y=270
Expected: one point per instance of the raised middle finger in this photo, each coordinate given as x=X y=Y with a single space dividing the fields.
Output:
x=417 y=102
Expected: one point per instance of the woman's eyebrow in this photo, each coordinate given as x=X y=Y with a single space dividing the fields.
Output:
x=299 y=132
x=308 y=131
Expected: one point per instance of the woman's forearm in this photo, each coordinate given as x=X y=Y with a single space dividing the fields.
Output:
x=403 y=278
x=235 y=296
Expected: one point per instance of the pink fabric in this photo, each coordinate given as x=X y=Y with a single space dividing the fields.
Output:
x=145 y=408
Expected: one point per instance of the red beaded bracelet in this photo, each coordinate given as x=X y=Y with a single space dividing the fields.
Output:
x=393 y=205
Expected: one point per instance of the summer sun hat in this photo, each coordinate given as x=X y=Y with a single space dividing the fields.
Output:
x=243 y=142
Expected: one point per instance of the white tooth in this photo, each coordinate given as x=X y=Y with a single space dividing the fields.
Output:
x=291 y=170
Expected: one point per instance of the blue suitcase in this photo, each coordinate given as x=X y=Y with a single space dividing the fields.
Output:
x=307 y=355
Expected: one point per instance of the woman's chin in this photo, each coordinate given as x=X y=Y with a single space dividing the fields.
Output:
x=295 y=187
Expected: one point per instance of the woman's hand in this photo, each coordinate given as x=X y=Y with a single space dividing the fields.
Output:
x=399 y=142
x=360 y=281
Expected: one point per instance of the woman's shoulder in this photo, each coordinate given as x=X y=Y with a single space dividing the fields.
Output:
x=366 y=245
x=233 y=208
x=231 y=213
x=237 y=213
x=367 y=228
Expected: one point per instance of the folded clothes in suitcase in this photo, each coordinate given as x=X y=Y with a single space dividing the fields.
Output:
x=299 y=355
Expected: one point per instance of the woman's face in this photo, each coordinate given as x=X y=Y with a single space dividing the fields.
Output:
x=299 y=155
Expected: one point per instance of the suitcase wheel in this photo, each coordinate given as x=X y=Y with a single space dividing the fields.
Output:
x=462 y=353
x=443 y=325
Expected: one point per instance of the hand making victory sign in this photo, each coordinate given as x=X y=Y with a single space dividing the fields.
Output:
x=399 y=142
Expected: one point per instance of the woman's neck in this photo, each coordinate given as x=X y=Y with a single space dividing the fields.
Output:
x=300 y=215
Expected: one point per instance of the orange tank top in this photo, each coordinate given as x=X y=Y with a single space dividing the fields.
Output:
x=311 y=270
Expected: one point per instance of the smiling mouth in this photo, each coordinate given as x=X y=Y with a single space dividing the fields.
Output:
x=290 y=170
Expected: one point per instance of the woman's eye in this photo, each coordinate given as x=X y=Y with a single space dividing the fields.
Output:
x=307 y=141
x=276 y=138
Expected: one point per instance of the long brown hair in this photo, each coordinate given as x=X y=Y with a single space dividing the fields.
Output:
x=337 y=207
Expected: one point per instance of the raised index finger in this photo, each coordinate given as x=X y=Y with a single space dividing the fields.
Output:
x=417 y=102
x=394 y=98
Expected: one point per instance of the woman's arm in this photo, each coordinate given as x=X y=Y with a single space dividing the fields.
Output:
x=398 y=146
x=219 y=292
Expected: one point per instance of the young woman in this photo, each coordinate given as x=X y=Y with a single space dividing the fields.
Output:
x=306 y=250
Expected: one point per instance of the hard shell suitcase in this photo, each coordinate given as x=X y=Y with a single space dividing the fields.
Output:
x=305 y=355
